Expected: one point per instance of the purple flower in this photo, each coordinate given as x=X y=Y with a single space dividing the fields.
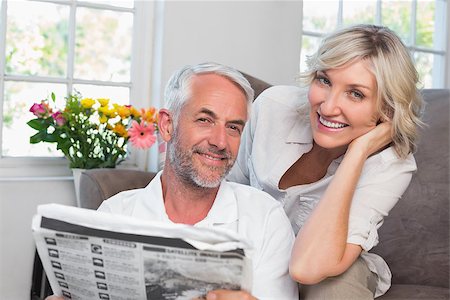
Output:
x=59 y=118
x=40 y=110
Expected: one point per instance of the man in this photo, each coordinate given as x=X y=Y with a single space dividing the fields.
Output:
x=207 y=107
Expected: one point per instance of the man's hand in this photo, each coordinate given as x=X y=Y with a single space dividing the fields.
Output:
x=53 y=297
x=229 y=295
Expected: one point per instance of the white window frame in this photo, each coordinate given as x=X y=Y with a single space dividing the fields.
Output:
x=440 y=61
x=44 y=168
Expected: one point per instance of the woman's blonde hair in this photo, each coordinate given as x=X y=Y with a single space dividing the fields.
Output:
x=397 y=79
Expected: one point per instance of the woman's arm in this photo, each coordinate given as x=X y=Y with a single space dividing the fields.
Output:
x=321 y=249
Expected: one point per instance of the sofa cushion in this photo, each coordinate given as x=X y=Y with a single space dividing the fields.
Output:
x=413 y=292
x=414 y=239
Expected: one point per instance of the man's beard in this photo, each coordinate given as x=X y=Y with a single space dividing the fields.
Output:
x=182 y=162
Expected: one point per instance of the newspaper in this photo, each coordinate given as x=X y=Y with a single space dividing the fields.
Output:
x=89 y=254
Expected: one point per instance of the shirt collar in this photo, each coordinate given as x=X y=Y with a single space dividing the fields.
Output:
x=224 y=209
x=151 y=201
x=300 y=132
x=222 y=212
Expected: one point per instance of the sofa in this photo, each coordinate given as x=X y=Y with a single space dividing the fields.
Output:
x=414 y=239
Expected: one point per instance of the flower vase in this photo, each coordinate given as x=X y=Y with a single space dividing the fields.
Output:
x=76 y=180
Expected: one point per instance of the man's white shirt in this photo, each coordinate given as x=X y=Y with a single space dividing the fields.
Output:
x=253 y=214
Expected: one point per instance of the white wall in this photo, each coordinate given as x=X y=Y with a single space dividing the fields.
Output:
x=261 y=38
x=447 y=67
x=18 y=203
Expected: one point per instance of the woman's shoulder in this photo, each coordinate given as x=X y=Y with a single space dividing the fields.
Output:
x=387 y=161
x=285 y=95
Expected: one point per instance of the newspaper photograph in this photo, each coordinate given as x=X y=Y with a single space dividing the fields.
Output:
x=94 y=255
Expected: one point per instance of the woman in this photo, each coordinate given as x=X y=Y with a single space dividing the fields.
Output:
x=338 y=154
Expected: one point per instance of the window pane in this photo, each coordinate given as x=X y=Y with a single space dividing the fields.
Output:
x=425 y=23
x=19 y=96
x=103 y=45
x=36 y=39
x=397 y=16
x=424 y=66
x=318 y=19
x=355 y=12
x=1 y=7
x=119 y=3
x=119 y=95
x=309 y=46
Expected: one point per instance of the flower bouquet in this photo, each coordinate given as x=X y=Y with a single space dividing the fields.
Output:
x=93 y=133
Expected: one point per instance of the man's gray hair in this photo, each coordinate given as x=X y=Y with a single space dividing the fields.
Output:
x=178 y=91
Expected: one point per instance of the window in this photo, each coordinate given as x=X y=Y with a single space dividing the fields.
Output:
x=61 y=46
x=420 y=24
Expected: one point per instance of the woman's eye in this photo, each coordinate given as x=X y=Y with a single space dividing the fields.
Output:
x=323 y=80
x=357 y=94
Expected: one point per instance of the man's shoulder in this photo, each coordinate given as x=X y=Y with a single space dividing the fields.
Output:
x=261 y=218
x=246 y=194
x=121 y=202
x=126 y=200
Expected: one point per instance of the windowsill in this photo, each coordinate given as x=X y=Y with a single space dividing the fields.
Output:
x=40 y=169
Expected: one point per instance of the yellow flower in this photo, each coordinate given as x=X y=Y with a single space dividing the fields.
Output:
x=134 y=112
x=87 y=102
x=149 y=115
x=123 y=111
x=120 y=130
x=103 y=119
x=112 y=113
x=104 y=110
x=103 y=101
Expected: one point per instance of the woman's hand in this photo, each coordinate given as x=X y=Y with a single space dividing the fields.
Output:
x=374 y=140
x=229 y=295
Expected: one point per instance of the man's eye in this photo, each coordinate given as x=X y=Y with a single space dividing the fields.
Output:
x=235 y=128
x=203 y=120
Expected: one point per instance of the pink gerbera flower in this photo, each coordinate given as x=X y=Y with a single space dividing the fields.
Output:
x=142 y=135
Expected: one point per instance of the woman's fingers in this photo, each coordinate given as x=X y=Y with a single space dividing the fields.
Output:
x=375 y=139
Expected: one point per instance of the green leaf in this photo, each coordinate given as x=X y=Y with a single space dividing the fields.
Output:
x=38 y=137
x=39 y=124
x=64 y=145
x=50 y=138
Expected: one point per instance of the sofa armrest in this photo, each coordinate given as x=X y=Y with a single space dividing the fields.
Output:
x=97 y=185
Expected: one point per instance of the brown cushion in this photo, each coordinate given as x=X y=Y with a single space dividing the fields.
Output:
x=414 y=239
x=413 y=292
x=258 y=85
x=97 y=185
